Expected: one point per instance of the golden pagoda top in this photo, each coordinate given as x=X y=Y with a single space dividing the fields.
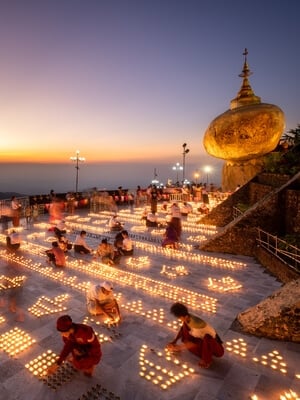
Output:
x=246 y=95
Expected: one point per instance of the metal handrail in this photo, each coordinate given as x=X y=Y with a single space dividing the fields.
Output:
x=284 y=251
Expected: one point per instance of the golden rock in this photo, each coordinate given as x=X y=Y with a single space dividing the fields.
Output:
x=248 y=130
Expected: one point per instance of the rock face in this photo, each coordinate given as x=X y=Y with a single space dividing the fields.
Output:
x=244 y=134
x=277 y=317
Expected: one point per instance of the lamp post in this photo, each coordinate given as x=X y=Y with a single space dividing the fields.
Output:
x=77 y=159
x=196 y=176
x=177 y=167
x=184 y=153
x=207 y=170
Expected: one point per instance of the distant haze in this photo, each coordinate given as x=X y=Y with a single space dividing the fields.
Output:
x=32 y=178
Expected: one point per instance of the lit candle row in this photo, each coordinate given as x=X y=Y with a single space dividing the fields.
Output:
x=224 y=284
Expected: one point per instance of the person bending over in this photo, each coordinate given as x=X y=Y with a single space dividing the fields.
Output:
x=101 y=301
x=81 y=341
x=197 y=336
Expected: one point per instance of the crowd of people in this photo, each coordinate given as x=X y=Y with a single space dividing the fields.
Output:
x=80 y=340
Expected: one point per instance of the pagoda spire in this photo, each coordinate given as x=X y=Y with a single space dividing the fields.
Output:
x=245 y=95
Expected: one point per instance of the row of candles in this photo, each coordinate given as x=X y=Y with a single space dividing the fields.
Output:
x=151 y=286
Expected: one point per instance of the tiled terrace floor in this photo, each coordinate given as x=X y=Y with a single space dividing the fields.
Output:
x=145 y=296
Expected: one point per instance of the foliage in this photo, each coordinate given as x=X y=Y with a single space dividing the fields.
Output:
x=292 y=137
x=242 y=207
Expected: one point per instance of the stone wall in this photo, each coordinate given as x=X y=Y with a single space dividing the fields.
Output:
x=273 y=210
x=276 y=317
x=275 y=266
x=292 y=211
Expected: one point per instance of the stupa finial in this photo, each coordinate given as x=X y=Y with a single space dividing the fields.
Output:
x=246 y=95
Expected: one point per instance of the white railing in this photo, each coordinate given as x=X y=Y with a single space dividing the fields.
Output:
x=282 y=250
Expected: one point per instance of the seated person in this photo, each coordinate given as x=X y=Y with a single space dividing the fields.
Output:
x=171 y=238
x=127 y=245
x=203 y=209
x=186 y=209
x=64 y=244
x=56 y=255
x=144 y=214
x=60 y=229
x=152 y=220
x=106 y=251
x=114 y=224
x=13 y=240
x=80 y=245
x=197 y=336
x=101 y=301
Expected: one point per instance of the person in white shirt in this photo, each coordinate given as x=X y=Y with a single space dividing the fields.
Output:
x=114 y=223
x=127 y=245
x=197 y=336
x=151 y=220
x=80 y=245
x=186 y=209
x=13 y=240
x=101 y=301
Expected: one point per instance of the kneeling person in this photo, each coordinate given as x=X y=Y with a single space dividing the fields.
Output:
x=82 y=342
x=197 y=336
x=101 y=301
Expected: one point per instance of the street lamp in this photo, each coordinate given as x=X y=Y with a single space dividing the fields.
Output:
x=207 y=169
x=196 y=176
x=77 y=159
x=185 y=151
x=177 y=167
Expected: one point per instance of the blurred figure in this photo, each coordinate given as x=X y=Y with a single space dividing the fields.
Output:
x=13 y=240
x=171 y=238
x=12 y=297
x=114 y=223
x=15 y=211
x=203 y=209
x=151 y=220
x=82 y=342
x=186 y=209
x=101 y=301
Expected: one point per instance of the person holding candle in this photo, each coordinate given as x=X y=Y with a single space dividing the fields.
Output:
x=197 y=336
x=82 y=342
x=101 y=301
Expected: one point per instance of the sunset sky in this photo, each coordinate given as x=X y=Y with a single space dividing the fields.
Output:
x=131 y=81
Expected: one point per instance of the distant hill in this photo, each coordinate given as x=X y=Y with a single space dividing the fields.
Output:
x=8 y=195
